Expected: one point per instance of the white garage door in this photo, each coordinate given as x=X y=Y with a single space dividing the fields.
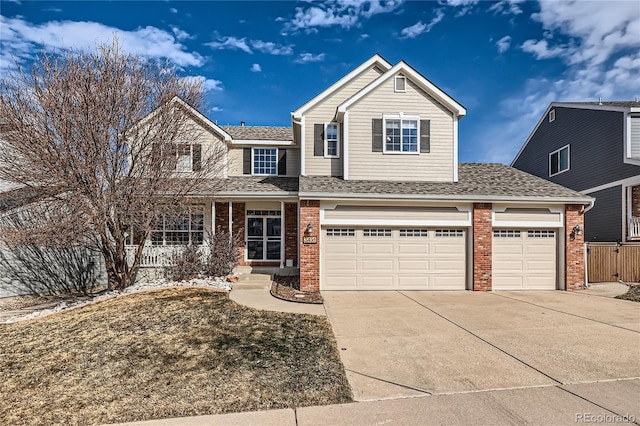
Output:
x=524 y=259
x=393 y=259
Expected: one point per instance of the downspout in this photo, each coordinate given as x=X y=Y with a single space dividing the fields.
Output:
x=586 y=248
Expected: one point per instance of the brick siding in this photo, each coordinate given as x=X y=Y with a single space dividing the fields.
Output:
x=222 y=216
x=237 y=218
x=482 y=247
x=574 y=248
x=635 y=201
x=310 y=253
x=291 y=232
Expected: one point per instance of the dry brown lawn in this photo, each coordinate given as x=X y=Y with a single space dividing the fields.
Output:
x=169 y=353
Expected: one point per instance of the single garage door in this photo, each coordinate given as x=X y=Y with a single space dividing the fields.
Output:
x=393 y=259
x=524 y=259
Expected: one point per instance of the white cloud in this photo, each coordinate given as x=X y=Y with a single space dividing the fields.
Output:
x=419 y=28
x=230 y=43
x=343 y=13
x=309 y=57
x=504 y=44
x=600 y=47
x=271 y=48
x=506 y=7
x=173 y=10
x=208 y=84
x=256 y=68
x=456 y=3
x=180 y=34
x=21 y=39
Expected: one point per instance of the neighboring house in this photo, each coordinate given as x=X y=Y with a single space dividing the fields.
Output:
x=365 y=192
x=593 y=148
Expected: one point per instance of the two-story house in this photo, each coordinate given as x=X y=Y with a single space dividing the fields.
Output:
x=364 y=192
x=593 y=148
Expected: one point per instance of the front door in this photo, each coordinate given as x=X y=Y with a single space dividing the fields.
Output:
x=264 y=230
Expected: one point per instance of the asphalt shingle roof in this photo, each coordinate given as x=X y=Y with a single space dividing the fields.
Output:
x=628 y=104
x=247 y=184
x=475 y=180
x=272 y=133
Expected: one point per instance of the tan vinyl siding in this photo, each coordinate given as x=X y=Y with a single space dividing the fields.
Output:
x=435 y=166
x=325 y=112
x=211 y=142
x=396 y=213
x=234 y=157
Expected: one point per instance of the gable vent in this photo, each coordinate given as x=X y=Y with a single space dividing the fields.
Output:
x=400 y=83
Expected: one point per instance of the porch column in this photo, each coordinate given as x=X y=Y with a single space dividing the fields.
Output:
x=213 y=217
x=574 y=247
x=310 y=250
x=282 y=233
x=230 y=219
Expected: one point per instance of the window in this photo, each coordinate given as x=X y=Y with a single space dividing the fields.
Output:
x=184 y=158
x=264 y=230
x=506 y=233
x=341 y=232
x=552 y=116
x=265 y=161
x=401 y=134
x=179 y=228
x=331 y=140
x=449 y=233
x=376 y=232
x=400 y=83
x=414 y=233
x=541 y=234
x=559 y=161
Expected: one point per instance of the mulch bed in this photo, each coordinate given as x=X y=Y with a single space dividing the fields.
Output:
x=288 y=288
x=633 y=294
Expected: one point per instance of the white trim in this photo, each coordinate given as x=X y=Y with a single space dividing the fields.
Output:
x=557 y=151
x=261 y=142
x=303 y=151
x=374 y=60
x=626 y=215
x=527 y=224
x=326 y=141
x=213 y=217
x=265 y=238
x=552 y=115
x=282 y=233
x=415 y=77
x=455 y=148
x=213 y=126
x=395 y=222
x=634 y=180
x=627 y=159
x=345 y=147
x=524 y=199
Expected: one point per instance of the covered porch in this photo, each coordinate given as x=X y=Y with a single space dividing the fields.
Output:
x=633 y=213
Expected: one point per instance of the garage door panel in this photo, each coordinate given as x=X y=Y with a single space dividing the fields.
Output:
x=524 y=260
x=384 y=260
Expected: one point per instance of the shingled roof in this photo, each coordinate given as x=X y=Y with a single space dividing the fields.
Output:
x=271 y=133
x=477 y=182
x=625 y=104
x=266 y=185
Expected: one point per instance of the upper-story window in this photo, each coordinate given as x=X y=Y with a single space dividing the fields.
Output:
x=552 y=116
x=559 y=161
x=401 y=134
x=184 y=157
x=180 y=157
x=332 y=140
x=265 y=161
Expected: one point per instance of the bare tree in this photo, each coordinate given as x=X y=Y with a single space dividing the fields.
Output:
x=96 y=137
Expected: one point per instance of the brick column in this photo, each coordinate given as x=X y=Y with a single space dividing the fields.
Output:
x=310 y=253
x=482 y=247
x=237 y=218
x=574 y=248
x=291 y=232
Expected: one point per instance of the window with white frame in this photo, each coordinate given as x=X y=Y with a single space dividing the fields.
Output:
x=559 y=161
x=552 y=116
x=401 y=134
x=331 y=140
x=265 y=161
x=180 y=228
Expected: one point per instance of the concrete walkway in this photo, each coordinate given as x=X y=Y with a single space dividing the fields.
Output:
x=262 y=299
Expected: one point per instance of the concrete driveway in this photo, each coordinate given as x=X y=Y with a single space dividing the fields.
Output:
x=404 y=344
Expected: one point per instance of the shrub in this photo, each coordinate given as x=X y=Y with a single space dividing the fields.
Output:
x=186 y=264
x=223 y=254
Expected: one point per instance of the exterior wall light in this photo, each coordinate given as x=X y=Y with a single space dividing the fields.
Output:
x=309 y=228
x=577 y=230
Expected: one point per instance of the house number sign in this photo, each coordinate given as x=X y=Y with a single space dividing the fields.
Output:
x=310 y=239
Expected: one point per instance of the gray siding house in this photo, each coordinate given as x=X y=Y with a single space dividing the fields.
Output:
x=593 y=148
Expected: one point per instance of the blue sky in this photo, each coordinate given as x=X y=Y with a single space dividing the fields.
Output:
x=505 y=61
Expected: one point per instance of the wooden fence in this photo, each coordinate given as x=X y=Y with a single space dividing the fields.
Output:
x=607 y=262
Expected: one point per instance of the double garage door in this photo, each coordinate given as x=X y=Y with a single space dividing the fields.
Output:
x=393 y=259
x=433 y=259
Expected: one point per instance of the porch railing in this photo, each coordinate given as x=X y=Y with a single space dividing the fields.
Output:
x=156 y=256
x=634 y=228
